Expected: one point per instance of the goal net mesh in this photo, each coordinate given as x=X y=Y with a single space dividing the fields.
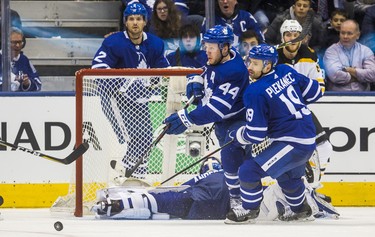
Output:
x=121 y=113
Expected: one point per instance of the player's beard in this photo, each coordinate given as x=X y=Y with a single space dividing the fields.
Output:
x=296 y=47
x=135 y=34
x=254 y=76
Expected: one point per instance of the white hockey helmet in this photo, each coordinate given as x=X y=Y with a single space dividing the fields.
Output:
x=290 y=26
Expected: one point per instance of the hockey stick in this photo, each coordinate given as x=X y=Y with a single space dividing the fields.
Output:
x=80 y=150
x=128 y=173
x=197 y=162
x=305 y=30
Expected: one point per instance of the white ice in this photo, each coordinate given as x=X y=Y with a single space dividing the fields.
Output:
x=354 y=222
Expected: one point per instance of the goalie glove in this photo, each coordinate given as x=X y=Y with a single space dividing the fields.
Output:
x=194 y=87
x=178 y=122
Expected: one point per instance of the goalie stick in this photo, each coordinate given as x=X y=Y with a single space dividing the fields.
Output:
x=128 y=173
x=197 y=162
x=306 y=27
x=80 y=150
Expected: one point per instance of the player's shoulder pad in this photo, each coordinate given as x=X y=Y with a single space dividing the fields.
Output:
x=307 y=52
x=153 y=38
x=116 y=39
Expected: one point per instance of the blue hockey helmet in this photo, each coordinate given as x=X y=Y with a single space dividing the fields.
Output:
x=211 y=163
x=135 y=8
x=264 y=52
x=219 y=34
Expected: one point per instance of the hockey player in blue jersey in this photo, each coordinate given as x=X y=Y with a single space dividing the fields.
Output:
x=204 y=197
x=124 y=101
x=218 y=92
x=276 y=107
x=228 y=14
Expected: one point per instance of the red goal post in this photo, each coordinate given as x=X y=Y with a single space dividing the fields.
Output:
x=162 y=93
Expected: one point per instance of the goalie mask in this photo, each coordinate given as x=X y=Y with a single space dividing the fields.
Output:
x=212 y=163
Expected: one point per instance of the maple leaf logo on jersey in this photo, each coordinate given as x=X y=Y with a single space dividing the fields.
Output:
x=207 y=92
x=142 y=62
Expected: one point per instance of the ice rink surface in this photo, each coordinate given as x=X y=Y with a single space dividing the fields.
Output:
x=354 y=222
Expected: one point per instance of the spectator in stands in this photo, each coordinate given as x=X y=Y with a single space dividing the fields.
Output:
x=333 y=28
x=132 y=48
x=24 y=76
x=368 y=28
x=166 y=23
x=228 y=13
x=300 y=12
x=368 y=23
x=360 y=7
x=189 y=54
x=15 y=20
x=248 y=40
x=183 y=6
x=349 y=65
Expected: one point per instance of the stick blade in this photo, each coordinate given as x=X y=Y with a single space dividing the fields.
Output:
x=80 y=150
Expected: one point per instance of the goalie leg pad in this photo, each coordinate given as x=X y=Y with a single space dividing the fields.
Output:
x=325 y=209
x=124 y=203
x=273 y=194
x=131 y=214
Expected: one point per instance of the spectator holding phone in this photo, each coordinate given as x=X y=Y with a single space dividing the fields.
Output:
x=24 y=76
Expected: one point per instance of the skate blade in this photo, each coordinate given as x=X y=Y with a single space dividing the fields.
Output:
x=230 y=222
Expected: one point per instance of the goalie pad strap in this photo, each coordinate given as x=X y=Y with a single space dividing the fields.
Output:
x=151 y=202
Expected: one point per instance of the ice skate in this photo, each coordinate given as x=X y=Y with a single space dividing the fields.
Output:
x=239 y=215
x=286 y=214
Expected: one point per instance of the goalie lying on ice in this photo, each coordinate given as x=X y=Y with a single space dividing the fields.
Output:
x=205 y=196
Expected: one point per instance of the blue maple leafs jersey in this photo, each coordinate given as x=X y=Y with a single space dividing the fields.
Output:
x=276 y=107
x=117 y=51
x=242 y=22
x=224 y=85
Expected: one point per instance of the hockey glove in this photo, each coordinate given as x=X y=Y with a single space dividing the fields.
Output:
x=194 y=87
x=237 y=137
x=178 y=122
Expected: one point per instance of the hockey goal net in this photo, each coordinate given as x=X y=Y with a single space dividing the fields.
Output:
x=119 y=112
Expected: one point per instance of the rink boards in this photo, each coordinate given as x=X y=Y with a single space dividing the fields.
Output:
x=47 y=121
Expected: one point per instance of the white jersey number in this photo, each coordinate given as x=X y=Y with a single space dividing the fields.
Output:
x=100 y=56
x=290 y=100
x=226 y=88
